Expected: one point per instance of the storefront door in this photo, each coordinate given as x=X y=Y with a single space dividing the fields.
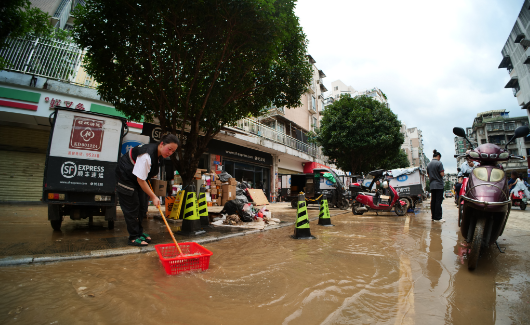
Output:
x=256 y=176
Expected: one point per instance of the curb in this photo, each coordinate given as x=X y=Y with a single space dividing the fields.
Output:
x=38 y=259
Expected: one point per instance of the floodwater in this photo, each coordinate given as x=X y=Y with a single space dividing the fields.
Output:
x=366 y=270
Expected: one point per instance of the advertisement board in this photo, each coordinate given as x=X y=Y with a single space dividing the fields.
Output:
x=326 y=184
x=83 y=152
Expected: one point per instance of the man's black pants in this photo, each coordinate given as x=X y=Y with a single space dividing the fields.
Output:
x=437 y=197
x=134 y=207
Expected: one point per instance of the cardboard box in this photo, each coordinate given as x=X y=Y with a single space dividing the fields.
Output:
x=159 y=187
x=213 y=191
x=229 y=192
x=232 y=181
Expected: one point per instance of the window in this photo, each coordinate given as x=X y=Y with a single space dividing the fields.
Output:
x=482 y=141
x=337 y=96
x=322 y=105
x=313 y=103
x=498 y=126
x=336 y=88
x=315 y=125
x=497 y=139
x=481 y=132
x=513 y=152
x=489 y=127
x=527 y=152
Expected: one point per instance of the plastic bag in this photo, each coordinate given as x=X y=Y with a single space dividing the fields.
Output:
x=238 y=207
x=224 y=177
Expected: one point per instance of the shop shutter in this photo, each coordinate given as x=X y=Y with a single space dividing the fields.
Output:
x=22 y=158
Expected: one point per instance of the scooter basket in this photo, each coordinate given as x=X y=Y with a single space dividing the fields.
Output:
x=195 y=257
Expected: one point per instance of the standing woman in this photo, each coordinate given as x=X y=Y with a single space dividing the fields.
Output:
x=435 y=170
x=134 y=168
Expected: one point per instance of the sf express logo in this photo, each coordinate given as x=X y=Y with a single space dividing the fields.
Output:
x=70 y=169
x=157 y=133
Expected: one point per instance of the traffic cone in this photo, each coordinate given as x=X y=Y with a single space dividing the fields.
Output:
x=301 y=229
x=191 y=223
x=324 y=218
x=203 y=209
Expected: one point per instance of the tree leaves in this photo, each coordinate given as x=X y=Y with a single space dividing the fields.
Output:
x=195 y=66
x=361 y=134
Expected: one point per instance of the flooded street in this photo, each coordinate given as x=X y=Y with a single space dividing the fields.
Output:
x=366 y=270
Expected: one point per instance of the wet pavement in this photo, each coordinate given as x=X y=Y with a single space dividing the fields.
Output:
x=25 y=231
x=366 y=270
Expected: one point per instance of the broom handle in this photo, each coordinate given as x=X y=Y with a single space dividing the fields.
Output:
x=165 y=221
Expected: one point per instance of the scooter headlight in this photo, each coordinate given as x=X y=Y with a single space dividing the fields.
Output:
x=473 y=154
x=504 y=155
x=481 y=173
x=496 y=175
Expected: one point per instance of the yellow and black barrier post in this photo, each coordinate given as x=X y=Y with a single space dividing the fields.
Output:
x=301 y=229
x=203 y=209
x=191 y=223
x=324 y=217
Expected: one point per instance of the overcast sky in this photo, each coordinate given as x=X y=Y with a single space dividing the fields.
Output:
x=435 y=60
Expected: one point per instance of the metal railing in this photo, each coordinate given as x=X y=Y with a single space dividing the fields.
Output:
x=269 y=133
x=43 y=57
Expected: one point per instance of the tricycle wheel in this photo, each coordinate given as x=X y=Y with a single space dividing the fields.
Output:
x=111 y=224
x=522 y=205
x=343 y=204
x=56 y=224
x=294 y=204
x=400 y=209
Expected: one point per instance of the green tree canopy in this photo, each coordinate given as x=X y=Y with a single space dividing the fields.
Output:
x=194 y=66
x=361 y=134
x=18 y=18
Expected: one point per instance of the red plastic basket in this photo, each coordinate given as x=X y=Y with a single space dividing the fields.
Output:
x=195 y=257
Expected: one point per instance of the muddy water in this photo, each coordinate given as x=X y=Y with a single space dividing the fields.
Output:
x=368 y=269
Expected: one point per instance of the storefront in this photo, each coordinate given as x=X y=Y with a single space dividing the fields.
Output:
x=24 y=135
x=244 y=164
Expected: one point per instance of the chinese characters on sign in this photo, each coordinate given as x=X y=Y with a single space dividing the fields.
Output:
x=57 y=102
x=87 y=134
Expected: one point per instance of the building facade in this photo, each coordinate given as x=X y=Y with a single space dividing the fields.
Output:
x=413 y=146
x=516 y=58
x=497 y=127
x=339 y=88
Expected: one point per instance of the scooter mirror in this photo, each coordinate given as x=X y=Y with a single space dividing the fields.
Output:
x=521 y=131
x=459 y=132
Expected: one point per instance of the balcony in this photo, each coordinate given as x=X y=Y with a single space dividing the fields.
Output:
x=45 y=58
x=271 y=134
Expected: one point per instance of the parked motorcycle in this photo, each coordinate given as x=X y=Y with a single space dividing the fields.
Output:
x=517 y=199
x=365 y=201
x=486 y=201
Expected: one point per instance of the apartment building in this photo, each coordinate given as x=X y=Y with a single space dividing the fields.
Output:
x=339 y=88
x=413 y=146
x=516 y=58
x=256 y=150
x=496 y=126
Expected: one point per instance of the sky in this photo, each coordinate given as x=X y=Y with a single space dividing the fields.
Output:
x=435 y=60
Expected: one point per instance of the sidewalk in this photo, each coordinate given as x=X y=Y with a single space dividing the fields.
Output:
x=27 y=237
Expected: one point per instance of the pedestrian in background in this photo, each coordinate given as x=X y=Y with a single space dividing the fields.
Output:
x=435 y=171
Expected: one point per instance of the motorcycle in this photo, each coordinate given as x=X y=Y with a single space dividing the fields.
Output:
x=364 y=201
x=486 y=201
x=517 y=199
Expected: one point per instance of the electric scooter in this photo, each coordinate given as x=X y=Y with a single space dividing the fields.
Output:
x=365 y=201
x=486 y=201
x=517 y=199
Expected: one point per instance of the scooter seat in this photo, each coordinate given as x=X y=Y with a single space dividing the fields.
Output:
x=385 y=197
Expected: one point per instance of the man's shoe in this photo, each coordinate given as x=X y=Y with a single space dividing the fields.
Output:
x=439 y=220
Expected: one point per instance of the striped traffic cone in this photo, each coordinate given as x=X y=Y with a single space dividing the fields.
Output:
x=301 y=229
x=324 y=218
x=203 y=209
x=191 y=224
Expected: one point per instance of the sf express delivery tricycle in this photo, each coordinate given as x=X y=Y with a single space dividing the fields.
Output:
x=83 y=151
